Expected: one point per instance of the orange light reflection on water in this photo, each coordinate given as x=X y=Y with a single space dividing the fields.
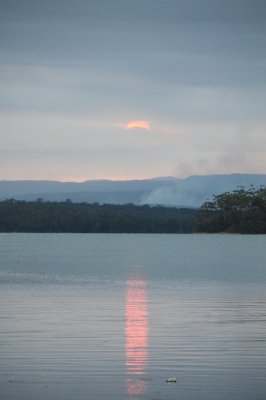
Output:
x=136 y=335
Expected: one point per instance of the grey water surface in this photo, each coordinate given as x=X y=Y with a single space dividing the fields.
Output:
x=112 y=316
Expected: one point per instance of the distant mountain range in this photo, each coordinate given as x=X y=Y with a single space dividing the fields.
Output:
x=167 y=191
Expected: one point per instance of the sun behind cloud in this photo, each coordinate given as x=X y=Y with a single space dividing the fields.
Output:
x=138 y=124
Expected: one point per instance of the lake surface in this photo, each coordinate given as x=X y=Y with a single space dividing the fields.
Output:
x=103 y=316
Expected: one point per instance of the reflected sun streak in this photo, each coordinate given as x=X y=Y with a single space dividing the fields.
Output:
x=136 y=334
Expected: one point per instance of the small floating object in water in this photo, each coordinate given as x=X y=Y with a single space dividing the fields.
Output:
x=171 y=380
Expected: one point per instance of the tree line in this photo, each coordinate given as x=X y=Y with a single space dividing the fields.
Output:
x=240 y=211
x=39 y=216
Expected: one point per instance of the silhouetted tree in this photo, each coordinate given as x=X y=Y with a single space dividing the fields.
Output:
x=241 y=210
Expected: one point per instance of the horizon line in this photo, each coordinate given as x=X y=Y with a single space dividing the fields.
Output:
x=166 y=177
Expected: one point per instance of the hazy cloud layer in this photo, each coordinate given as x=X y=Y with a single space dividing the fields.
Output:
x=72 y=73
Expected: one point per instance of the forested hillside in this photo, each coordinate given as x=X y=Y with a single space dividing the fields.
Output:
x=165 y=191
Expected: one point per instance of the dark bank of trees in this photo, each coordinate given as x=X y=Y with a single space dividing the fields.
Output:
x=239 y=211
x=38 y=216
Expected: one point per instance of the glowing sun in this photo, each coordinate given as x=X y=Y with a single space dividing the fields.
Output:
x=138 y=124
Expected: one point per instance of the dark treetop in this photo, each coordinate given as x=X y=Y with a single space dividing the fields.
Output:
x=239 y=211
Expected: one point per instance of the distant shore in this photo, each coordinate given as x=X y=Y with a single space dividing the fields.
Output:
x=67 y=217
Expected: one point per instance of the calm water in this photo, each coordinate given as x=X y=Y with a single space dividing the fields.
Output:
x=113 y=316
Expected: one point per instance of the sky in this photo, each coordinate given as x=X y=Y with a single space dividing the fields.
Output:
x=131 y=89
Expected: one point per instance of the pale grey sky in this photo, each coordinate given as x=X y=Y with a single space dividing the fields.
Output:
x=74 y=73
